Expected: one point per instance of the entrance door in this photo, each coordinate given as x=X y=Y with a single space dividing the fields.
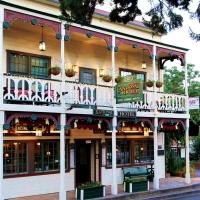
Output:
x=82 y=162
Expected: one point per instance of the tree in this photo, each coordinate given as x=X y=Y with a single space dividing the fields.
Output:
x=161 y=17
x=174 y=83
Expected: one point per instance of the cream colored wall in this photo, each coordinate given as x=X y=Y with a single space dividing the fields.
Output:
x=81 y=53
x=98 y=21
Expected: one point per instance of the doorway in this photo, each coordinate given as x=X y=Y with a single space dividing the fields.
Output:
x=83 y=162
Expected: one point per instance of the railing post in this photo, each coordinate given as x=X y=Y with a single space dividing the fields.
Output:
x=187 y=147
x=2 y=113
x=62 y=193
x=114 y=123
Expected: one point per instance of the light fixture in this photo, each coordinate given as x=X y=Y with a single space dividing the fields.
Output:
x=146 y=131
x=47 y=121
x=42 y=45
x=48 y=153
x=16 y=120
x=123 y=124
x=75 y=123
x=75 y=68
x=176 y=126
x=38 y=132
x=142 y=124
x=101 y=72
x=6 y=155
x=99 y=124
x=144 y=64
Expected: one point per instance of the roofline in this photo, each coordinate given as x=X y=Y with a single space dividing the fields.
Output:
x=93 y=26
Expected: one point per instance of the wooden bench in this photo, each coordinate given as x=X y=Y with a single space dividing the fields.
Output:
x=136 y=178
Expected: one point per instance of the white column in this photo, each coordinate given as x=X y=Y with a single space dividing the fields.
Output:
x=1 y=54
x=156 y=163
x=2 y=113
x=62 y=193
x=187 y=145
x=114 y=124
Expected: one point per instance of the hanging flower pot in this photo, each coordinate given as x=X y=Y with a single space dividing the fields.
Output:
x=55 y=70
x=107 y=78
x=118 y=79
x=159 y=84
x=149 y=83
x=70 y=72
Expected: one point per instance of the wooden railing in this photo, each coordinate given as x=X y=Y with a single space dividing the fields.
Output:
x=38 y=91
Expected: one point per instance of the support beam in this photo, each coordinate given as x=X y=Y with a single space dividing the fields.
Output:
x=62 y=193
x=187 y=147
x=114 y=123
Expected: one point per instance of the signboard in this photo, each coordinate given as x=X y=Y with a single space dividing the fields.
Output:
x=126 y=114
x=103 y=113
x=129 y=90
x=193 y=103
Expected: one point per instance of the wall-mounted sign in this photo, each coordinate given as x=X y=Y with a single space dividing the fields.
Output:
x=126 y=114
x=129 y=90
x=103 y=113
x=193 y=103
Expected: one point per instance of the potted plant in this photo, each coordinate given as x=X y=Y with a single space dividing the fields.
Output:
x=90 y=190
x=107 y=78
x=55 y=70
x=118 y=79
x=149 y=83
x=159 y=84
x=70 y=72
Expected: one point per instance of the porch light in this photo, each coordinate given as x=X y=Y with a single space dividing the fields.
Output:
x=42 y=45
x=101 y=72
x=146 y=131
x=47 y=121
x=38 y=132
x=75 y=123
x=123 y=124
x=16 y=120
x=6 y=155
x=75 y=68
x=48 y=153
x=144 y=64
x=99 y=124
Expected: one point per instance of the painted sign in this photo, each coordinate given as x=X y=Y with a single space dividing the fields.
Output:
x=129 y=90
x=193 y=103
x=126 y=114
x=103 y=113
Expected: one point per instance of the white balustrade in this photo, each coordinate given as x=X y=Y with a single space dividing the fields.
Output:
x=40 y=91
x=25 y=89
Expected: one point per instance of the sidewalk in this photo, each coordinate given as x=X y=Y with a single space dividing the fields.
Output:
x=167 y=183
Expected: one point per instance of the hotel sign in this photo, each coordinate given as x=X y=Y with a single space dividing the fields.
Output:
x=103 y=113
x=129 y=90
x=193 y=103
x=126 y=114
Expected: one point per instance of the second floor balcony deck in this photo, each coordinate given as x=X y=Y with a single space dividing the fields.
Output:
x=31 y=91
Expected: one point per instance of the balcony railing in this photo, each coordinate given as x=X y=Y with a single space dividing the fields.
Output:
x=23 y=90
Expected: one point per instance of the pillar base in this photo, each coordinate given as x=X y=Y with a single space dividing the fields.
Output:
x=156 y=184
x=187 y=178
x=114 y=189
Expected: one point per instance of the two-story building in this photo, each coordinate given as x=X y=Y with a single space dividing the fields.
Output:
x=62 y=123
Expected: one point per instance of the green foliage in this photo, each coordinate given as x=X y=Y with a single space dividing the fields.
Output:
x=162 y=16
x=89 y=185
x=174 y=83
x=196 y=149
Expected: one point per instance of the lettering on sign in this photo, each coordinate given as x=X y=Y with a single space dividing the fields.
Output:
x=127 y=114
x=103 y=113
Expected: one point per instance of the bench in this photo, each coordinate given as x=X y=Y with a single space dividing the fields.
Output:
x=136 y=178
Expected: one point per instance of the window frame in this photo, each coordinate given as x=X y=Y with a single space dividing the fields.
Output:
x=29 y=55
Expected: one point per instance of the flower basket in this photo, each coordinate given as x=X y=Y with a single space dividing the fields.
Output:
x=90 y=191
x=149 y=83
x=159 y=84
x=118 y=79
x=107 y=78
x=69 y=72
x=55 y=70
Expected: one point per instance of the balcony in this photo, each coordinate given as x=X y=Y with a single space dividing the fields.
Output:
x=30 y=91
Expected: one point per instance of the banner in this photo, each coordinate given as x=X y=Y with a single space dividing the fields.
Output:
x=129 y=90
x=193 y=103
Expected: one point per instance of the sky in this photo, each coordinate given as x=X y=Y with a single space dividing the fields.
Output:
x=179 y=37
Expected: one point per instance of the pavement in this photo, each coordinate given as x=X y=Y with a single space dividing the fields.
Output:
x=172 y=185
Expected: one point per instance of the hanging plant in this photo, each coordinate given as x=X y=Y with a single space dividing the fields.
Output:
x=70 y=72
x=55 y=70
x=149 y=83
x=159 y=84
x=107 y=78
x=118 y=79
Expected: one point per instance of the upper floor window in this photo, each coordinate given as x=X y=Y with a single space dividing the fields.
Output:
x=27 y=64
x=138 y=74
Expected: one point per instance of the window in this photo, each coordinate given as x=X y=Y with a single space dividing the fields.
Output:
x=26 y=64
x=14 y=158
x=122 y=154
x=143 y=151
x=87 y=76
x=139 y=75
x=47 y=156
